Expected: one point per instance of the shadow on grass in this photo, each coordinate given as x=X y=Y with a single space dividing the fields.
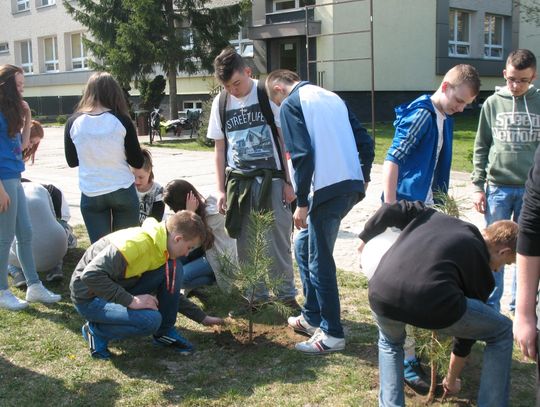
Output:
x=39 y=389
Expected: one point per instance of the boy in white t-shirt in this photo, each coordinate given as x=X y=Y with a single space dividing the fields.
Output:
x=250 y=172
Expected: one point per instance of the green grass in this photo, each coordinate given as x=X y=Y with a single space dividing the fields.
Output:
x=44 y=361
x=464 y=133
x=182 y=144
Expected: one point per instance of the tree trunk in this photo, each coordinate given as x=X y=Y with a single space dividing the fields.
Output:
x=173 y=103
x=171 y=64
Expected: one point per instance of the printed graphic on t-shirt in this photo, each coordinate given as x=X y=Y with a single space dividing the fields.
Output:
x=250 y=139
x=518 y=128
x=147 y=200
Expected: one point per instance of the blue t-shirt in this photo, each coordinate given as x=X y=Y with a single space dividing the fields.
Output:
x=11 y=162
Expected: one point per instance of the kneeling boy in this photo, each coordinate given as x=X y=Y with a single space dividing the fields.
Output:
x=124 y=287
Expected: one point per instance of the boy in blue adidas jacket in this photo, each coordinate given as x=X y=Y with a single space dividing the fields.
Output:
x=418 y=162
x=331 y=155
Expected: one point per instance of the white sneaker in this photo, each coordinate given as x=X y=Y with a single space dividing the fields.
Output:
x=299 y=324
x=321 y=343
x=9 y=301
x=38 y=293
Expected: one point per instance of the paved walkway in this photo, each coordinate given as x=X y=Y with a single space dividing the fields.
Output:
x=198 y=168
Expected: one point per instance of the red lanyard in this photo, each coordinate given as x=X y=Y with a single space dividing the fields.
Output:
x=170 y=285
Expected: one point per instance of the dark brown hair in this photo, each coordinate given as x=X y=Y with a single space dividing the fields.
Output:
x=103 y=89
x=521 y=59
x=11 y=99
x=175 y=195
x=36 y=131
x=227 y=63
x=147 y=164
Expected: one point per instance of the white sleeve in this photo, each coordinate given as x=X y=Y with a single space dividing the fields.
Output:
x=276 y=110
x=66 y=214
x=214 y=123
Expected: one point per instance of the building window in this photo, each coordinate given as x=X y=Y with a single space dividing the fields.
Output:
x=192 y=104
x=45 y=3
x=79 y=59
x=242 y=44
x=493 y=36
x=26 y=57
x=51 y=54
x=4 y=48
x=23 y=5
x=187 y=39
x=459 y=39
x=290 y=4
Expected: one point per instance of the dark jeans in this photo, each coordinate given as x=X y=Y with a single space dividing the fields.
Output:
x=107 y=213
x=114 y=321
x=314 y=248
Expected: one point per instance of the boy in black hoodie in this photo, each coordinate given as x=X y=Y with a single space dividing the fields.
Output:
x=440 y=281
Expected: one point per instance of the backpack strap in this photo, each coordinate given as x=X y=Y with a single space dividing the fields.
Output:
x=266 y=110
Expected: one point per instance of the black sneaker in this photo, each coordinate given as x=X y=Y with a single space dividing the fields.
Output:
x=415 y=377
x=172 y=339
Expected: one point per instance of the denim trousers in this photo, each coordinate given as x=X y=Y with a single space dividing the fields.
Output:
x=15 y=221
x=314 y=249
x=107 y=213
x=197 y=273
x=480 y=322
x=110 y=321
x=503 y=203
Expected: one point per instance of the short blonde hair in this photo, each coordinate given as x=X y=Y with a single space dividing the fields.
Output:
x=189 y=225
x=464 y=74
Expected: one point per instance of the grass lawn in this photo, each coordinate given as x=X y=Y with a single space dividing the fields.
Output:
x=464 y=133
x=44 y=361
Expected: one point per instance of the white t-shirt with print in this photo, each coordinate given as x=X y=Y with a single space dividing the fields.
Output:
x=147 y=200
x=250 y=144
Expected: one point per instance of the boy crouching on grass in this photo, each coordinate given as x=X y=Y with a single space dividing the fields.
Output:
x=124 y=287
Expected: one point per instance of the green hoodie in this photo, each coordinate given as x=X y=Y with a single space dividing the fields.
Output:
x=507 y=137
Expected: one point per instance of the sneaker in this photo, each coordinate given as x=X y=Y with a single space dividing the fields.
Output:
x=98 y=345
x=18 y=277
x=55 y=274
x=11 y=302
x=300 y=325
x=175 y=341
x=415 y=377
x=321 y=343
x=38 y=293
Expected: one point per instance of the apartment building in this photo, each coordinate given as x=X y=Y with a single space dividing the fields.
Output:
x=414 y=43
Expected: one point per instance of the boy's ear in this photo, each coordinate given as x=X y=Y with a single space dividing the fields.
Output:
x=444 y=86
x=177 y=237
x=247 y=70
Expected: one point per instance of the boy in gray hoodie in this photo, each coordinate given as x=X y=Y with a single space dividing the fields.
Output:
x=507 y=137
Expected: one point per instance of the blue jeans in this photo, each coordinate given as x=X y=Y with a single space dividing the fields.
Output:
x=107 y=213
x=198 y=273
x=480 y=322
x=114 y=321
x=314 y=248
x=15 y=221
x=503 y=203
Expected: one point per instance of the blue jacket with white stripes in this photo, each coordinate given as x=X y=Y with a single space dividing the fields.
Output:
x=414 y=150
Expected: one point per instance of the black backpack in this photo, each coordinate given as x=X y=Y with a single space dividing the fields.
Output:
x=266 y=110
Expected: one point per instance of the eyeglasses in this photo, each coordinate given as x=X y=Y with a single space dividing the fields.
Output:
x=518 y=81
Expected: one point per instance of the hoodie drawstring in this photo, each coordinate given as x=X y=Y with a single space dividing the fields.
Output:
x=528 y=115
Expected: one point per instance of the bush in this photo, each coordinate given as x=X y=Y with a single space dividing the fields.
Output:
x=62 y=119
